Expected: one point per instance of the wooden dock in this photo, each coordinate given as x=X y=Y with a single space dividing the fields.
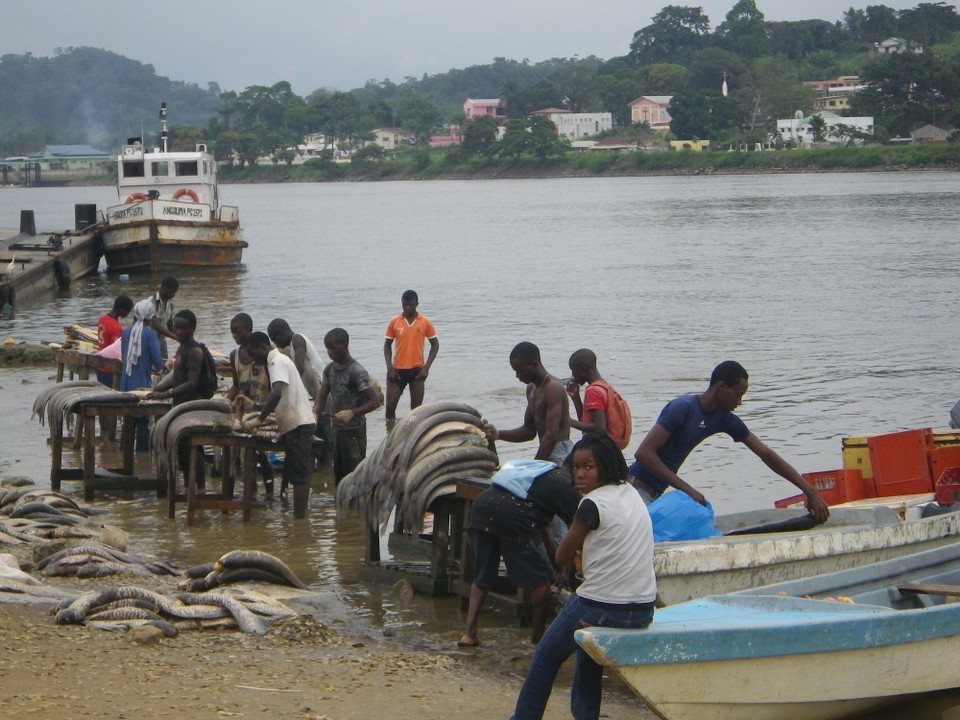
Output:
x=33 y=263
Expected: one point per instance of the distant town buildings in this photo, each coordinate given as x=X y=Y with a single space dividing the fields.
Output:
x=892 y=46
x=653 y=110
x=575 y=126
x=491 y=107
x=800 y=131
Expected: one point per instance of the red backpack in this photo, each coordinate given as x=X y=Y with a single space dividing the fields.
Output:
x=619 y=419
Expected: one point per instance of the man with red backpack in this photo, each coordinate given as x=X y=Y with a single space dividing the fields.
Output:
x=602 y=408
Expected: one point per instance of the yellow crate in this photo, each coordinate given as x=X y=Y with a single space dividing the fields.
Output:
x=856 y=456
x=946 y=437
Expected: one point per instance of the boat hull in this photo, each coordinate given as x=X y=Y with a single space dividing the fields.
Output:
x=152 y=244
x=695 y=568
x=825 y=687
x=819 y=648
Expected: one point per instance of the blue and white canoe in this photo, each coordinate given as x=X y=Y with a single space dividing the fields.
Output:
x=887 y=632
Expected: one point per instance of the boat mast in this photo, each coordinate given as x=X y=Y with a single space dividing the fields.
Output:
x=163 y=127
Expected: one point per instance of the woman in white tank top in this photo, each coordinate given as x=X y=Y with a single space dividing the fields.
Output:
x=612 y=533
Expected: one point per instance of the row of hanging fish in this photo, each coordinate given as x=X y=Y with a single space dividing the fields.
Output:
x=59 y=400
x=195 y=417
x=420 y=460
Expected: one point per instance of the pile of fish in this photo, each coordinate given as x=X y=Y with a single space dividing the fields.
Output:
x=240 y=566
x=92 y=560
x=420 y=460
x=14 y=580
x=130 y=606
x=196 y=417
x=29 y=516
x=60 y=399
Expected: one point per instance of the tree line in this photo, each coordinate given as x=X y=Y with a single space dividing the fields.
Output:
x=83 y=94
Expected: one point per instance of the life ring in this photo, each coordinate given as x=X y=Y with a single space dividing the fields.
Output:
x=134 y=197
x=186 y=192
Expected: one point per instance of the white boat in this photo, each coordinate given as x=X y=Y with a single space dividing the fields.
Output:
x=853 y=536
x=826 y=647
x=169 y=212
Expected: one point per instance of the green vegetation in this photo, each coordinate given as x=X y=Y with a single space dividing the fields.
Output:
x=729 y=85
x=85 y=95
x=450 y=162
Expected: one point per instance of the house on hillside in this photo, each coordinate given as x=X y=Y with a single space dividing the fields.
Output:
x=930 y=135
x=575 y=126
x=892 y=46
x=799 y=131
x=389 y=138
x=491 y=107
x=652 y=109
x=834 y=95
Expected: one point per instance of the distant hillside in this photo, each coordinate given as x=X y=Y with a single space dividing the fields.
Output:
x=88 y=95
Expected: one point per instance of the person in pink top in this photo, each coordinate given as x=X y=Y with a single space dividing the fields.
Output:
x=405 y=364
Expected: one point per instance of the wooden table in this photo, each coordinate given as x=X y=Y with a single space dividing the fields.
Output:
x=122 y=478
x=83 y=363
x=248 y=446
x=504 y=595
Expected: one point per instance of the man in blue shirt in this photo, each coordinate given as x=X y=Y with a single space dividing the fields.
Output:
x=687 y=421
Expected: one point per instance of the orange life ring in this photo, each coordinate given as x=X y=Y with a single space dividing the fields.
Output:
x=186 y=192
x=135 y=196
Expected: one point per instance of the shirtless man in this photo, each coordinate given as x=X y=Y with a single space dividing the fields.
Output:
x=298 y=348
x=548 y=413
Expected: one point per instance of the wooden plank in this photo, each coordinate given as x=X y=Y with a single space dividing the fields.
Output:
x=930 y=589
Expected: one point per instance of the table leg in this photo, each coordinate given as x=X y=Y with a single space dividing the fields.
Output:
x=195 y=451
x=56 y=464
x=249 y=470
x=126 y=442
x=89 y=454
x=227 y=473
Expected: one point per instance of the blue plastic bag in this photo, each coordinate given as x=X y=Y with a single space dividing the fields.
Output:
x=677 y=516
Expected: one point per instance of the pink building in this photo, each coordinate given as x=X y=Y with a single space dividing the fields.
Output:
x=490 y=107
x=652 y=109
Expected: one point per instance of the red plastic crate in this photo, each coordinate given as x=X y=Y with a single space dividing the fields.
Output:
x=948 y=486
x=834 y=486
x=900 y=463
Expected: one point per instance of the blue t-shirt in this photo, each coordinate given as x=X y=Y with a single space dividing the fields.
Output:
x=688 y=426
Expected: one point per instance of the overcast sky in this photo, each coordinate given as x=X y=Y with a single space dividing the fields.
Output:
x=341 y=45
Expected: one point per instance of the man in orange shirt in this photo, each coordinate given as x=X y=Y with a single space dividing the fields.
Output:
x=406 y=366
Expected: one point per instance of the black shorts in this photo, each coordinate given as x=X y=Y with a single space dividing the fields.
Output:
x=405 y=377
x=296 y=455
x=525 y=558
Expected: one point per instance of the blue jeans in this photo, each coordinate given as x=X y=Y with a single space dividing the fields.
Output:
x=557 y=645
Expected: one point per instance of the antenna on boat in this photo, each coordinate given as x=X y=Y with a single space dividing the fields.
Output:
x=163 y=127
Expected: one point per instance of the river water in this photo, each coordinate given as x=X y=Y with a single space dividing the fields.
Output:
x=837 y=292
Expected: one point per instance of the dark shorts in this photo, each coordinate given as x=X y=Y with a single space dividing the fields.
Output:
x=405 y=377
x=526 y=560
x=349 y=448
x=297 y=462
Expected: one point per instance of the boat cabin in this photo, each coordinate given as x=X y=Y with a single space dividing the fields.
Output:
x=188 y=177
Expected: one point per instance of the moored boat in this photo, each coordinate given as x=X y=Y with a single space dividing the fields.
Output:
x=819 y=648
x=852 y=537
x=170 y=212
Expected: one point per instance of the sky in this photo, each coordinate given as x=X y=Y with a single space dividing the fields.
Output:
x=342 y=45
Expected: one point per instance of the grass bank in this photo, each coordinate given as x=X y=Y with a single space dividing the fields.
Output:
x=451 y=163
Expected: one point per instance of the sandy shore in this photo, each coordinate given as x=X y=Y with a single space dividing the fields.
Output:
x=300 y=669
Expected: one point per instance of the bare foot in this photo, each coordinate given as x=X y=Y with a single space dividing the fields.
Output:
x=466 y=641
